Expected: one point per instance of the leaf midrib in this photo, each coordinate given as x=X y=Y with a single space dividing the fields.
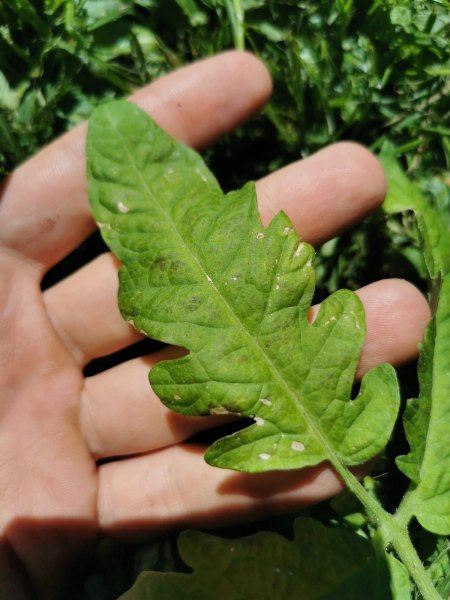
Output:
x=309 y=419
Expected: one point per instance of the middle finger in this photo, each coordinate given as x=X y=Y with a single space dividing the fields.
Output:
x=322 y=195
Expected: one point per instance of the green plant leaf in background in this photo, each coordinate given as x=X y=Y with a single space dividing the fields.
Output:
x=427 y=418
x=342 y=70
x=201 y=272
x=319 y=563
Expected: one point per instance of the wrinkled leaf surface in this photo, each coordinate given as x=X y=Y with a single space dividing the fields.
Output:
x=200 y=271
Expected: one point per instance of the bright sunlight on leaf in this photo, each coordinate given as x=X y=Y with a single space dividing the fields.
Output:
x=200 y=271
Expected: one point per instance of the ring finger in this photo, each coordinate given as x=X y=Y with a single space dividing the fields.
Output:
x=123 y=394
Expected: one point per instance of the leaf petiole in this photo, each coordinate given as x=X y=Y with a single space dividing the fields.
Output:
x=393 y=531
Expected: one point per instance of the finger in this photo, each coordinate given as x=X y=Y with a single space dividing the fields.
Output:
x=326 y=192
x=396 y=314
x=174 y=488
x=132 y=402
x=395 y=321
x=183 y=491
x=84 y=311
x=44 y=212
x=322 y=195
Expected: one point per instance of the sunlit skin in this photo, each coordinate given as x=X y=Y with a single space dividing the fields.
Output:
x=55 y=425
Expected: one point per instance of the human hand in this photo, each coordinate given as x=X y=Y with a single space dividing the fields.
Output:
x=55 y=425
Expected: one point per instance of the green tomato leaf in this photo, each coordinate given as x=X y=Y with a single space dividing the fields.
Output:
x=402 y=196
x=319 y=563
x=427 y=419
x=200 y=271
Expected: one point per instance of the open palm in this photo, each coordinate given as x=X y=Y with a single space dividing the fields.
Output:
x=55 y=425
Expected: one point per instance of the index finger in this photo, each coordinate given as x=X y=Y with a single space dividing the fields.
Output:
x=44 y=211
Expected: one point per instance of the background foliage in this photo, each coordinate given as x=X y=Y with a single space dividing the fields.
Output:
x=343 y=69
x=349 y=69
